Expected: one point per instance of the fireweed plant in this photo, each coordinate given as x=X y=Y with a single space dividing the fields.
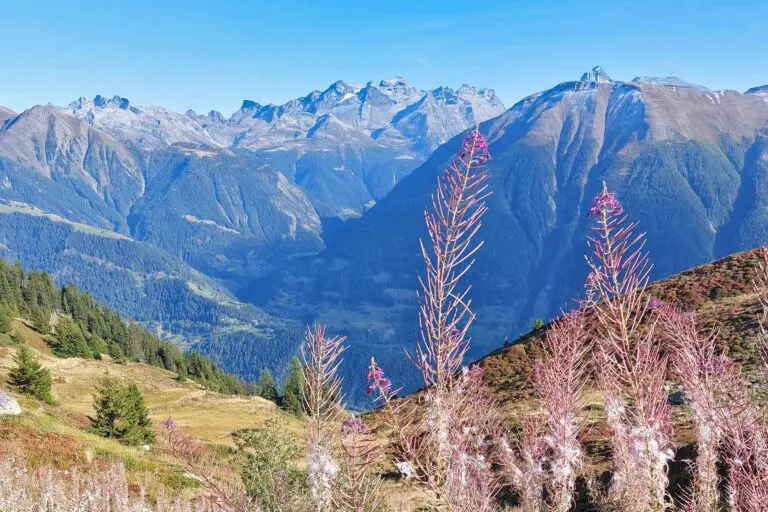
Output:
x=629 y=362
x=726 y=419
x=445 y=435
x=337 y=481
x=559 y=378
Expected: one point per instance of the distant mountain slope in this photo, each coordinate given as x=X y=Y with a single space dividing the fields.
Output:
x=689 y=164
x=140 y=281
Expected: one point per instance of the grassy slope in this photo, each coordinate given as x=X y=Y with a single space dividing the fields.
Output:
x=722 y=295
x=57 y=435
x=732 y=312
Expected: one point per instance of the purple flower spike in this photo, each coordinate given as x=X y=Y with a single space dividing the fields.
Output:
x=377 y=380
x=170 y=425
x=607 y=202
x=654 y=304
x=353 y=427
x=476 y=146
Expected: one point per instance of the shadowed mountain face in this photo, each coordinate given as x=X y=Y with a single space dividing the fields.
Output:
x=689 y=164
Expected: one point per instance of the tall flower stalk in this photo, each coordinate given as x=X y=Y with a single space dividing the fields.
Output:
x=524 y=464
x=322 y=401
x=706 y=377
x=444 y=437
x=356 y=489
x=630 y=365
x=559 y=378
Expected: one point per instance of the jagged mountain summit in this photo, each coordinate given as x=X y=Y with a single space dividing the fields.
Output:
x=346 y=146
x=596 y=75
x=689 y=164
x=390 y=111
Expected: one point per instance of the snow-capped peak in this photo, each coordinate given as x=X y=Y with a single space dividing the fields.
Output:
x=597 y=75
x=101 y=102
x=389 y=111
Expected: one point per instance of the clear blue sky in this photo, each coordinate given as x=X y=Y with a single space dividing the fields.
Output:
x=212 y=55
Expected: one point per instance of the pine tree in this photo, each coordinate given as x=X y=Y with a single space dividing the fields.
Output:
x=29 y=376
x=292 y=391
x=136 y=416
x=121 y=413
x=266 y=387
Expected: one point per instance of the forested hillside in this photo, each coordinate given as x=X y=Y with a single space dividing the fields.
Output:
x=78 y=326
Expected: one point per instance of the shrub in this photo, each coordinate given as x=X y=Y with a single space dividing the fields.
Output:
x=29 y=376
x=268 y=467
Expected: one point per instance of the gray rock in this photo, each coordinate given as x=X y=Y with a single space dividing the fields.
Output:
x=8 y=405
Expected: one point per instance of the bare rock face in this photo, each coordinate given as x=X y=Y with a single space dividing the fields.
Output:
x=8 y=405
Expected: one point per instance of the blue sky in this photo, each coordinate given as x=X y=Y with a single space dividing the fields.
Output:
x=212 y=55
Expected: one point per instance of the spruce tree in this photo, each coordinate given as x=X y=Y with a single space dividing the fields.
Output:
x=136 y=416
x=121 y=413
x=28 y=376
x=266 y=386
x=292 y=391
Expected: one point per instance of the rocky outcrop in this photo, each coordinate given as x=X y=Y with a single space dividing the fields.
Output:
x=8 y=405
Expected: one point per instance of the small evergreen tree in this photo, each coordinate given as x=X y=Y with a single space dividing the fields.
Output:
x=28 y=376
x=266 y=387
x=538 y=324
x=116 y=353
x=292 y=391
x=121 y=413
x=181 y=373
x=136 y=416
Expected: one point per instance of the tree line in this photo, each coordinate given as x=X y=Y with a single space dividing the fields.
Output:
x=85 y=328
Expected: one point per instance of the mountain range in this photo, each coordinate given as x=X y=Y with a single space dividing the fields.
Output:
x=163 y=215
x=690 y=165
x=230 y=233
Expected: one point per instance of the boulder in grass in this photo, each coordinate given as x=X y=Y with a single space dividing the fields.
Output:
x=8 y=405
